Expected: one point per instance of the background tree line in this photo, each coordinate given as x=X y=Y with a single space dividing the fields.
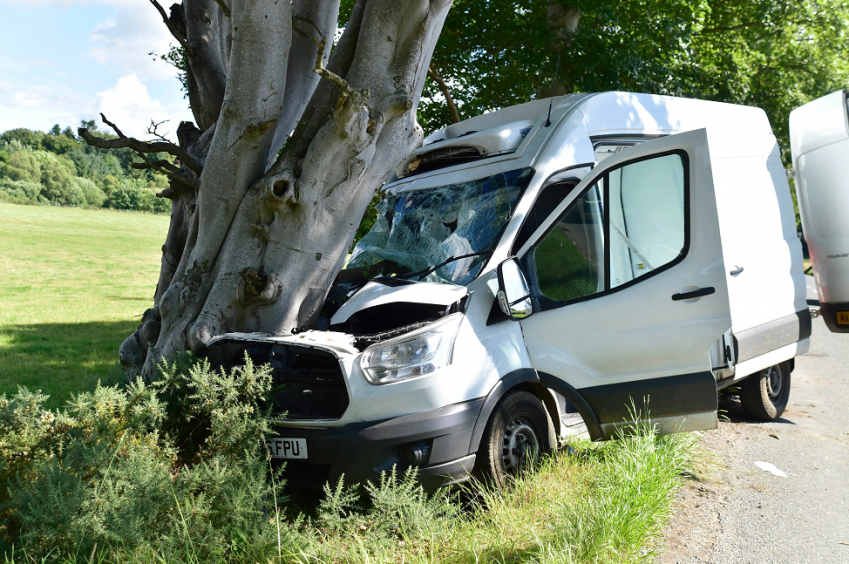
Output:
x=55 y=168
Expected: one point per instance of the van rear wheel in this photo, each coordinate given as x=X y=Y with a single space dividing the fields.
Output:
x=764 y=395
x=519 y=430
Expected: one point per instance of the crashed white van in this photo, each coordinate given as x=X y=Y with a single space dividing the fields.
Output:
x=530 y=271
x=819 y=144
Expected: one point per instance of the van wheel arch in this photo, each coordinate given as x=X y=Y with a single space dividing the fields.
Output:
x=539 y=385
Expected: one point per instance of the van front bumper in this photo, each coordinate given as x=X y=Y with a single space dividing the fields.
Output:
x=361 y=451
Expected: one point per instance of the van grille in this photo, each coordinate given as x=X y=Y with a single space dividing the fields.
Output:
x=308 y=383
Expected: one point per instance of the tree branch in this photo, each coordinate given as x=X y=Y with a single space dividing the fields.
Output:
x=141 y=147
x=321 y=71
x=169 y=170
x=156 y=165
x=174 y=31
x=113 y=126
x=152 y=130
x=452 y=107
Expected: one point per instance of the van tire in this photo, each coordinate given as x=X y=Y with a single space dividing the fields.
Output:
x=518 y=432
x=764 y=395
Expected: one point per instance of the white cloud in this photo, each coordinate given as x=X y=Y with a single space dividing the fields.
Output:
x=54 y=96
x=40 y=105
x=126 y=41
x=130 y=106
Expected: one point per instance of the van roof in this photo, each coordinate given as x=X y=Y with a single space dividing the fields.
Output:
x=733 y=130
x=618 y=111
x=819 y=123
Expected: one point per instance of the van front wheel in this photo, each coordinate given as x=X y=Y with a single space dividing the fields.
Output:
x=519 y=430
x=764 y=395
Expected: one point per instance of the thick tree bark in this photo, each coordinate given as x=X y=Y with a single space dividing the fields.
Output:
x=562 y=26
x=256 y=240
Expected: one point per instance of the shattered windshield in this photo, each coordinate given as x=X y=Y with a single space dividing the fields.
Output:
x=419 y=229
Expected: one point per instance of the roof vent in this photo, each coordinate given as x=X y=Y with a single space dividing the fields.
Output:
x=465 y=147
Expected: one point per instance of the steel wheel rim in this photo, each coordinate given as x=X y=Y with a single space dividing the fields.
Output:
x=520 y=447
x=774 y=382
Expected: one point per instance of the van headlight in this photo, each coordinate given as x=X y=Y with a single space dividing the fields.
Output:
x=414 y=354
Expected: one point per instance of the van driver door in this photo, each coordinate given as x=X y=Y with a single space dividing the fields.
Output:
x=628 y=288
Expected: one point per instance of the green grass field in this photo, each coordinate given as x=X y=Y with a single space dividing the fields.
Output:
x=73 y=285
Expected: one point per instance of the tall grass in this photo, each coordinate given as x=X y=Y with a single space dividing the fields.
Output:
x=600 y=503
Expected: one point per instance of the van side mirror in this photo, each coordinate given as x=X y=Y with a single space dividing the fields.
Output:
x=514 y=298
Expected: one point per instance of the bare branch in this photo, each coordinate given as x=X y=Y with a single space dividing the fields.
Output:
x=152 y=130
x=169 y=170
x=113 y=126
x=321 y=71
x=224 y=9
x=172 y=28
x=156 y=165
x=452 y=107
x=142 y=147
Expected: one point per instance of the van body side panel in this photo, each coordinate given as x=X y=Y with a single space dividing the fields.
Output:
x=823 y=189
x=819 y=142
x=763 y=254
x=772 y=335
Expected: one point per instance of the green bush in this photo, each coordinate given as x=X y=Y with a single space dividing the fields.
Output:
x=94 y=196
x=176 y=471
x=134 y=194
x=57 y=179
x=172 y=467
x=22 y=165
x=19 y=191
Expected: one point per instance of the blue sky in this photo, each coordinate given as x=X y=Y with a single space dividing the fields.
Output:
x=66 y=60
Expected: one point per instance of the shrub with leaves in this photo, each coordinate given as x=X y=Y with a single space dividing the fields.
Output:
x=397 y=512
x=175 y=467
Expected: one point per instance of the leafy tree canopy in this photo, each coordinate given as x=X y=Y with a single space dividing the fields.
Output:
x=774 y=54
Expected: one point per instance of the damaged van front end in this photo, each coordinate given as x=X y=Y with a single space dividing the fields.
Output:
x=359 y=404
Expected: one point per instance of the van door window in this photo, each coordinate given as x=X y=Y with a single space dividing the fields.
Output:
x=646 y=208
x=549 y=198
x=637 y=210
x=570 y=258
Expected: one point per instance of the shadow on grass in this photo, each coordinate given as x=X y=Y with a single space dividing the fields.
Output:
x=61 y=358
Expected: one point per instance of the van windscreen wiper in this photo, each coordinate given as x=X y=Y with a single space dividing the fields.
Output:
x=422 y=273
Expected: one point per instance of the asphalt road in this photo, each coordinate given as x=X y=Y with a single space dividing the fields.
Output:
x=738 y=513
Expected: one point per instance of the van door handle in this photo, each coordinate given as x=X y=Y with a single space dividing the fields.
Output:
x=737 y=270
x=694 y=294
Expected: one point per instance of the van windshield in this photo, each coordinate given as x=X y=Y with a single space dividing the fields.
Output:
x=420 y=229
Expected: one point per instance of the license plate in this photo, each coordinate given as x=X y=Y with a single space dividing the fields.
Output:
x=287 y=448
x=843 y=317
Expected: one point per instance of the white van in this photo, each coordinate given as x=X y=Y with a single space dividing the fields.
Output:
x=542 y=266
x=819 y=144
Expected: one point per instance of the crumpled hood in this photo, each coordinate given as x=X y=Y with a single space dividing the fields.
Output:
x=374 y=294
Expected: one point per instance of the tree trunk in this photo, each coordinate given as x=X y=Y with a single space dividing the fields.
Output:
x=256 y=239
x=562 y=23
